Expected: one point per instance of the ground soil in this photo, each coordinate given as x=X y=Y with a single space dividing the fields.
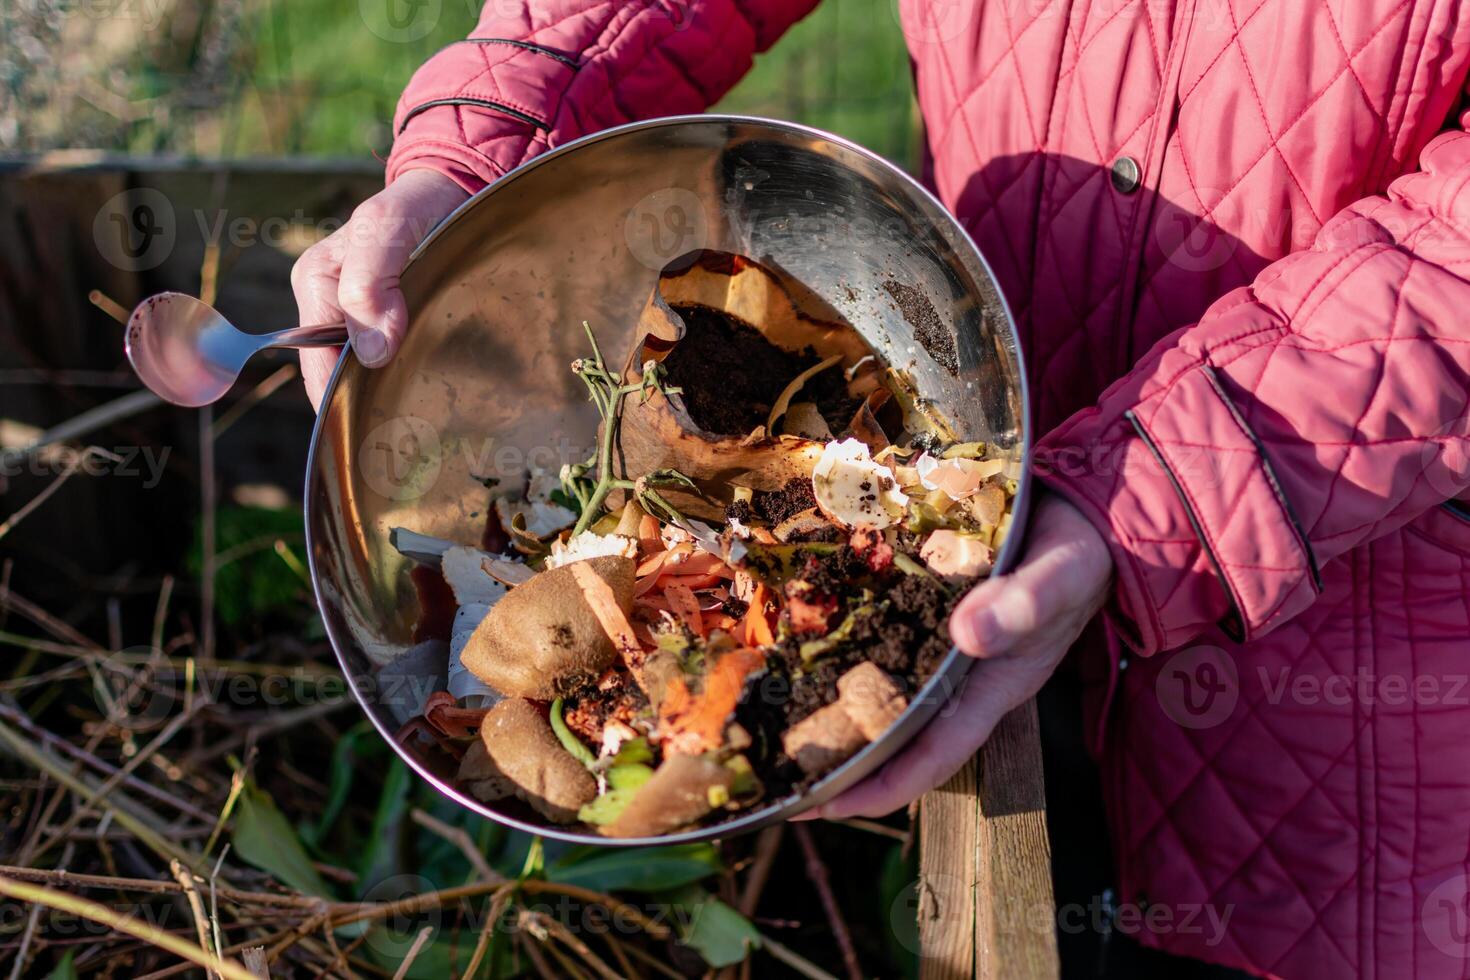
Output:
x=731 y=375
x=777 y=505
x=906 y=634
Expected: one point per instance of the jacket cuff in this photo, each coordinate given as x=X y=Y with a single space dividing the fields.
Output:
x=424 y=146
x=1199 y=529
x=470 y=110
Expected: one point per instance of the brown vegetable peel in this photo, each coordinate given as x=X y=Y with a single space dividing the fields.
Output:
x=681 y=791
x=868 y=702
x=543 y=640
x=520 y=754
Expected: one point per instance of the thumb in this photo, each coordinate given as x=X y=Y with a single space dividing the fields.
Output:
x=993 y=618
x=1059 y=571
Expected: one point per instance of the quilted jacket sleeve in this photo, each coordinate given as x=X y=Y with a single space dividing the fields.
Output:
x=537 y=73
x=1319 y=407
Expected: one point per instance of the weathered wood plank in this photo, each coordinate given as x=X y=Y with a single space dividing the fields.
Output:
x=1015 y=924
x=948 y=842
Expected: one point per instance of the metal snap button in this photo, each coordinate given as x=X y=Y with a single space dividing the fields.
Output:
x=1126 y=175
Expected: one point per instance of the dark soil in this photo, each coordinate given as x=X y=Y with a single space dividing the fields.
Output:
x=619 y=699
x=775 y=506
x=907 y=635
x=929 y=330
x=731 y=375
x=739 y=510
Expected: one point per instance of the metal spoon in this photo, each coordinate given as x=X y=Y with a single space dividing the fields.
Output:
x=190 y=355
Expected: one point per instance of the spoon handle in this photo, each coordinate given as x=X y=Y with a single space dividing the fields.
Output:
x=320 y=335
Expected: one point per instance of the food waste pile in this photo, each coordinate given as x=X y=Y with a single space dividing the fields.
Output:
x=742 y=588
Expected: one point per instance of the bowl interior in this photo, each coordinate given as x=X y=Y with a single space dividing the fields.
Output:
x=481 y=388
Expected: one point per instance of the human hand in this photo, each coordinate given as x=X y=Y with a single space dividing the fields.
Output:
x=353 y=273
x=1018 y=626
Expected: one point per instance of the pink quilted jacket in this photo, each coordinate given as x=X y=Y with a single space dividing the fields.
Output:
x=1236 y=234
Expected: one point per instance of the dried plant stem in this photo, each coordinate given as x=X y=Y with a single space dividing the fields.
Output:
x=86 y=909
x=108 y=305
x=254 y=959
x=537 y=960
x=45 y=620
x=816 y=870
x=794 y=960
x=415 y=903
x=40 y=759
x=460 y=839
x=196 y=907
x=413 y=952
x=767 y=846
x=485 y=944
x=86 y=423
x=112 y=781
x=616 y=945
x=71 y=879
x=661 y=968
x=105 y=768
x=564 y=935
x=281 y=376
x=30 y=505
x=208 y=495
x=22 y=954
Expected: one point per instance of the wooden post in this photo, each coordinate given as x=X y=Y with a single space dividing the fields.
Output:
x=985 y=897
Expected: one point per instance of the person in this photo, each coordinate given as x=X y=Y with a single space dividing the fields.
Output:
x=1234 y=236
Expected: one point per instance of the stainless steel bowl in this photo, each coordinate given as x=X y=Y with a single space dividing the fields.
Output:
x=481 y=387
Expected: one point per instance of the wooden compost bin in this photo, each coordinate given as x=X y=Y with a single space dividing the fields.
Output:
x=984 y=897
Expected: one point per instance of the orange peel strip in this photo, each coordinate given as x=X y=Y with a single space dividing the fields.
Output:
x=692 y=724
x=757 y=630
x=691 y=581
x=610 y=616
x=686 y=607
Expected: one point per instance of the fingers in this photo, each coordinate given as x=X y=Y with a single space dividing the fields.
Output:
x=317 y=364
x=314 y=283
x=379 y=244
x=353 y=275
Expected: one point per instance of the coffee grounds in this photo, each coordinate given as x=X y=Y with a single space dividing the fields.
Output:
x=731 y=375
x=739 y=510
x=775 y=506
x=929 y=330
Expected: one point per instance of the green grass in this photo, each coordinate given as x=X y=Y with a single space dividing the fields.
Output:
x=316 y=78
